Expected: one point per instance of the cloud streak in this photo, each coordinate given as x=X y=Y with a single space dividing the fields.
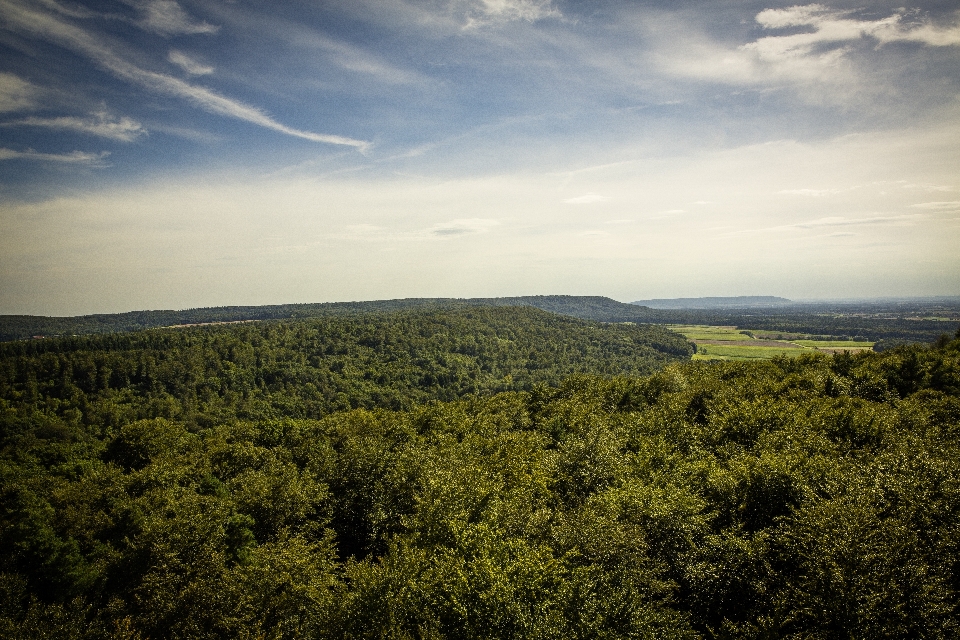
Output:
x=167 y=18
x=589 y=198
x=76 y=157
x=99 y=124
x=504 y=10
x=938 y=206
x=835 y=26
x=188 y=64
x=80 y=41
x=16 y=94
x=834 y=221
x=460 y=227
x=818 y=55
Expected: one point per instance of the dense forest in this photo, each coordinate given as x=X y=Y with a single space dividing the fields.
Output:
x=19 y=327
x=309 y=368
x=213 y=483
x=890 y=323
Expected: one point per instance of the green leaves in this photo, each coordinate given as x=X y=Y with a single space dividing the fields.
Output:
x=812 y=497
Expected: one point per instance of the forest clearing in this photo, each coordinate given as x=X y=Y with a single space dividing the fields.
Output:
x=732 y=343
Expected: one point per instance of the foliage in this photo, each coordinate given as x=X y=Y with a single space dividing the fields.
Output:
x=890 y=323
x=19 y=327
x=308 y=368
x=809 y=497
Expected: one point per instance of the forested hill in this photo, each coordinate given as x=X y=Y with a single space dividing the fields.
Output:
x=724 y=302
x=311 y=367
x=18 y=327
x=888 y=322
x=814 y=497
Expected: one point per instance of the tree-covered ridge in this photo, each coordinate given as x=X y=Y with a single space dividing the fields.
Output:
x=815 y=497
x=18 y=327
x=890 y=322
x=309 y=368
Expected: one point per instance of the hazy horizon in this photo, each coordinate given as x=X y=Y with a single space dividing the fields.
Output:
x=161 y=154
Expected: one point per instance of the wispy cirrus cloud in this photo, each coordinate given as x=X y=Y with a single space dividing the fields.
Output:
x=528 y=10
x=100 y=124
x=80 y=41
x=16 y=94
x=816 y=55
x=668 y=213
x=344 y=55
x=167 y=18
x=588 y=198
x=834 y=221
x=188 y=64
x=926 y=187
x=448 y=229
x=953 y=205
x=830 y=27
x=461 y=227
x=76 y=157
x=813 y=193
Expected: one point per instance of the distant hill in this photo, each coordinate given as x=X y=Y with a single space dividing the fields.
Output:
x=919 y=321
x=311 y=367
x=19 y=327
x=727 y=302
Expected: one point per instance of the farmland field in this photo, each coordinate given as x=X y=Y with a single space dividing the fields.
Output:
x=701 y=332
x=731 y=343
x=834 y=344
x=744 y=352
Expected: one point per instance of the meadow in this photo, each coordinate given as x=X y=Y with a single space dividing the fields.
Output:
x=732 y=343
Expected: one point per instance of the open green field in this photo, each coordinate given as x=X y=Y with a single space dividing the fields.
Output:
x=738 y=352
x=848 y=344
x=739 y=344
x=701 y=332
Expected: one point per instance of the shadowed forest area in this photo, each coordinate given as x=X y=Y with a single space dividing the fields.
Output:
x=473 y=473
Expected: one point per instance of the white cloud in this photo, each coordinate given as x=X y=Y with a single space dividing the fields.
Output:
x=529 y=10
x=470 y=14
x=76 y=157
x=78 y=40
x=589 y=198
x=790 y=17
x=344 y=55
x=244 y=239
x=836 y=26
x=167 y=18
x=188 y=64
x=841 y=221
x=666 y=213
x=817 y=55
x=16 y=94
x=938 y=206
x=926 y=187
x=814 y=193
x=460 y=227
x=450 y=228
x=836 y=221
x=99 y=124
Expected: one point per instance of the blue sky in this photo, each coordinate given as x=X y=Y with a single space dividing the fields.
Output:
x=173 y=154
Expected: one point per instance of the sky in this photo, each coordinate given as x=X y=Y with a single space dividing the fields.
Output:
x=171 y=154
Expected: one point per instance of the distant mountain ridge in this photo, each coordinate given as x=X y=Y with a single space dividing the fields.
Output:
x=922 y=321
x=19 y=327
x=720 y=302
